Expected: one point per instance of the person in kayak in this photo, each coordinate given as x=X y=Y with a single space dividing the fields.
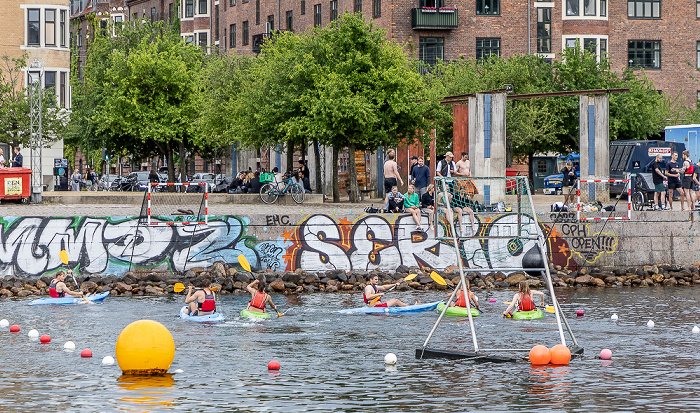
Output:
x=524 y=300
x=460 y=302
x=372 y=291
x=58 y=288
x=202 y=301
x=259 y=298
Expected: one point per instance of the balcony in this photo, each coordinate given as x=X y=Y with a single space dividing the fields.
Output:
x=427 y=18
x=259 y=39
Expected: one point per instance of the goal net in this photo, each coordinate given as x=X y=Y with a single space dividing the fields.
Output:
x=593 y=200
x=175 y=204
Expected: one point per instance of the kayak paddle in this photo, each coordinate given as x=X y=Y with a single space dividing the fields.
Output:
x=64 y=259
x=244 y=262
x=437 y=278
x=179 y=287
x=408 y=278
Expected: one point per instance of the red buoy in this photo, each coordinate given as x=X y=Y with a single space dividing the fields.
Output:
x=86 y=353
x=273 y=365
x=579 y=313
x=45 y=339
x=14 y=328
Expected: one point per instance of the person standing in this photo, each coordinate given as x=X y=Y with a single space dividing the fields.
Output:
x=306 y=176
x=687 y=184
x=75 y=181
x=568 y=179
x=658 y=177
x=674 y=179
x=420 y=177
x=2 y=159
x=414 y=162
x=391 y=172
x=446 y=167
x=462 y=167
x=18 y=159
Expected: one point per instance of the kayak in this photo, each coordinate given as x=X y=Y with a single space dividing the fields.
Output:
x=210 y=318
x=391 y=310
x=457 y=311
x=253 y=314
x=93 y=298
x=528 y=315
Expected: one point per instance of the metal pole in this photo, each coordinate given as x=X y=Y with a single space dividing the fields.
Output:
x=36 y=129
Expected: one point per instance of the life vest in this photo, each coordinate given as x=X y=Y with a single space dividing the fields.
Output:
x=526 y=303
x=209 y=303
x=690 y=169
x=461 y=302
x=53 y=293
x=259 y=300
x=364 y=296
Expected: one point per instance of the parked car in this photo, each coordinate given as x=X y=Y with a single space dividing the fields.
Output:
x=142 y=178
x=106 y=181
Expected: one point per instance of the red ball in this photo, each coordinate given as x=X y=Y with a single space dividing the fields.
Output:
x=273 y=365
x=45 y=339
x=14 y=328
x=86 y=353
x=579 y=313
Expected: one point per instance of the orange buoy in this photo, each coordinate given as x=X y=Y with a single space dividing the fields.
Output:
x=560 y=354
x=539 y=355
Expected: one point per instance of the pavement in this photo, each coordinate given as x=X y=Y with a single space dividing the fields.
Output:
x=100 y=204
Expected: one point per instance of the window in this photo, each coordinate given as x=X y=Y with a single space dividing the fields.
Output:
x=153 y=14
x=103 y=27
x=303 y=7
x=541 y=166
x=62 y=29
x=572 y=7
x=334 y=10
x=203 y=6
x=50 y=83
x=603 y=47
x=644 y=9
x=377 y=9
x=202 y=41
x=603 y=8
x=697 y=48
x=488 y=7
x=62 y=90
x=189 y=8
x=698 y=102
x=358 y=6
x=644 y=54
x=431 y=49
x=586 y=8
x=50 y=27
x=697 y=9
x=487 y=46
x=544 y=30
x=33 y=77
x=598 y=45
x=79 y=38
x=232 y=3
x=257 y=11
x=33 y=21
x=432 y=3
x=170 y=12
x=271 y=22
x=233 y=36
x=189 y=39
x=246 y=39
x=589 y=7
x=317 y=14
x=216 y=23
x=290 y=21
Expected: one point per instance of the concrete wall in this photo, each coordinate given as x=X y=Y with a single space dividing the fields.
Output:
x=318 y=242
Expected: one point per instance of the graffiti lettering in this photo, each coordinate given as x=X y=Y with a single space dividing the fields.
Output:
x=563 y=217
x=576 y=230
x=275 y=220
x=270 y=255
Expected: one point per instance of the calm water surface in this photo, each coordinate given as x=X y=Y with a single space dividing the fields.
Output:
x=335 y=363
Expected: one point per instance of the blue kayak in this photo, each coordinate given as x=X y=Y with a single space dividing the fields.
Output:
x=211 y=318
x=391 y=310
x=93 y=298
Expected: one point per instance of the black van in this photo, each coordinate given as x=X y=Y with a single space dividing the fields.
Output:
x=636 y=157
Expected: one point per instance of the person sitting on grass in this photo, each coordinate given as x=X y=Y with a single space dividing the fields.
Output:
x=394 y=200
x=411 y=204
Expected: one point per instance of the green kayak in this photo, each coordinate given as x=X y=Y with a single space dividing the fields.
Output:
x=252 y=314
x=457 y=311
x=528 y=315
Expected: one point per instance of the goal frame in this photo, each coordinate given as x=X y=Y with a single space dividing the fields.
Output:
x=150 y=190
x=610 y=181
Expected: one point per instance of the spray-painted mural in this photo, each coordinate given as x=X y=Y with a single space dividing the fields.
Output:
x=315 y=243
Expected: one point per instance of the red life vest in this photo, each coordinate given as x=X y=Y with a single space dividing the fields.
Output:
x=53 y=293
x=209 y=303
x=690 y=169
x=259 y=300
x=526 y=303
x=461 y=302
x=364 y=296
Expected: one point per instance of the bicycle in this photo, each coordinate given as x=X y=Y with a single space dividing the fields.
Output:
x=271 y=191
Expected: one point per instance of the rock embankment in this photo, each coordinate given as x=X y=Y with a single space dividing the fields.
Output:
x=232 y=280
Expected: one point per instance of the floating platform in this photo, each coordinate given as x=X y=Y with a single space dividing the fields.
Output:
x=432 y=353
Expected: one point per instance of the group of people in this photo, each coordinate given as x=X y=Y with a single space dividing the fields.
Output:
x=17 y=160
x=201 y=298
x=248 y=182
x=682 y=176
x=90 y=180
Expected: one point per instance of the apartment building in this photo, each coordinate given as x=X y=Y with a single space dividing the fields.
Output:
x=40 y=28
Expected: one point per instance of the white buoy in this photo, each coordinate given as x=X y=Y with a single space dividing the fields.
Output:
x=33 y=333
x=4 y=323
x=613 y=317
x=390 y=358
x=107 y=361
x=179 y=371
x=650 y=324
x=69 y=345
x=695 y=330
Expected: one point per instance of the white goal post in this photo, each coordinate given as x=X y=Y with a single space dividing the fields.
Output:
x=603 y=181
x=176 y=204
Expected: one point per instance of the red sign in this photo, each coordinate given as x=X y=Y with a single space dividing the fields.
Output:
x=659 y=151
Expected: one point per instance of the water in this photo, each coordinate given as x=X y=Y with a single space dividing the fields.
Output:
x=335 y=363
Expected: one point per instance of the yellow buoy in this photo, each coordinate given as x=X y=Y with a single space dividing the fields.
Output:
x=145 y=347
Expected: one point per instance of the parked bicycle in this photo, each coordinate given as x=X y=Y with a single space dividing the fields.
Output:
x=272 y=190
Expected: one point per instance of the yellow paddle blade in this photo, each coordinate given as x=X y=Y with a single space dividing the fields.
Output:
x=437 y=278
x=410 y=277
x=279 y=314
x=549 y=309
x=178 y=287
x=64 y=256
x=507 y=302
x=244 y=262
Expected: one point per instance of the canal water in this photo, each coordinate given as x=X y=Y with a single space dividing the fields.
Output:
x=330 y=362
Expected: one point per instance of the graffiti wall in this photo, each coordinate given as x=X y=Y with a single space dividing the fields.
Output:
x=30 y=246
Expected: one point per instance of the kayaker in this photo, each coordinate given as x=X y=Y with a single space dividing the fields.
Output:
x=58 y=288
x=202 y=301
x=372 y=291
x=460 y=302
x=259 y=298
x=524 y=300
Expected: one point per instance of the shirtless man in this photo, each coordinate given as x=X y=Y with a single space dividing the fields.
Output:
x=391 y=172
x=58 y=288
x=462 y=167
